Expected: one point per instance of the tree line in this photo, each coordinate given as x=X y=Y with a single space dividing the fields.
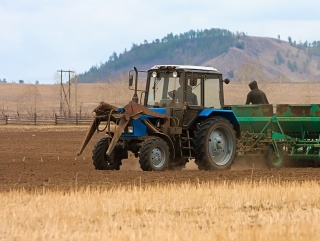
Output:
x=192 y=47
x=311 y=48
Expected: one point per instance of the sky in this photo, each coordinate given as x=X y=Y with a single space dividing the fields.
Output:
x=40 y=37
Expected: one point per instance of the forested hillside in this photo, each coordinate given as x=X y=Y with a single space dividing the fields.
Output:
x=234 y=54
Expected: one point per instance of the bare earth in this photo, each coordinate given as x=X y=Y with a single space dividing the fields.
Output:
x=45 y=157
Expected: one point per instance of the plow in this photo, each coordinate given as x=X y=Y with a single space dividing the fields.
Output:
x=181 y=117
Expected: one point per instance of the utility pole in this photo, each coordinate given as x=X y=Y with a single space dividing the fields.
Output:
x=65 y=97
x=76 y=93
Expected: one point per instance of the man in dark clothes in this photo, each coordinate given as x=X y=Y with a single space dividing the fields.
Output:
x=256 y=96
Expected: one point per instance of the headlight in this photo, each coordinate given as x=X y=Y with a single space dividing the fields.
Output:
x=154 y=74
x=175 y=74
x=158 y=124
x=130 y=129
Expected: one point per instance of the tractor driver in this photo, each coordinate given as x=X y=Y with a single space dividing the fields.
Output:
x=177 y=95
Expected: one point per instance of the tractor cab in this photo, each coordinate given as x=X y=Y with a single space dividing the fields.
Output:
x=178 y=86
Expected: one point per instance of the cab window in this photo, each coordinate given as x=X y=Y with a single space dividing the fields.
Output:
x=212 y=92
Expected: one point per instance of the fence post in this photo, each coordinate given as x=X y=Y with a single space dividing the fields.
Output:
x=6 y=117
x=76 y=118
x=35 y=119
x=55 y=119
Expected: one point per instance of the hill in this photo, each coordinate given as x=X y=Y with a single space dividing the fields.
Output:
x=237 y=56
x=268 y=59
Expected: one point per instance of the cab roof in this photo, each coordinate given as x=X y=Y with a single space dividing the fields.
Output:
x=186 y=67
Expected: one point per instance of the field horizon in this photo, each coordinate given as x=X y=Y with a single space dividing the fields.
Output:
x=45 y=99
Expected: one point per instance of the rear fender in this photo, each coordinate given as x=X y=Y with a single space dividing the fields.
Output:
x=227 y=114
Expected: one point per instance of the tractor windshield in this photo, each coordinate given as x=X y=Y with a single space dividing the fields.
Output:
x=173 y=88
x=165 y=90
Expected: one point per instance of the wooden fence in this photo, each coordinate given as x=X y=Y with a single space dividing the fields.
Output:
x=40 y=120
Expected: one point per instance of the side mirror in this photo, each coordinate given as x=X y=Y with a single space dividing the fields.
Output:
x=227 y=81
x=130 y=80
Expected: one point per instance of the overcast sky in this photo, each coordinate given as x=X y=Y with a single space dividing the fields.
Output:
x=39 y=37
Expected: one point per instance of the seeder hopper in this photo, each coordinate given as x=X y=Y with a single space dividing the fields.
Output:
x=282 y=133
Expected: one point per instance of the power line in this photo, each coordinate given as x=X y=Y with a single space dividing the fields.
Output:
x=67 y=97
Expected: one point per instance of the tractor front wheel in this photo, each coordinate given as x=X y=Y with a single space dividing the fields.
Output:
x=154 y=155
x=101 y=160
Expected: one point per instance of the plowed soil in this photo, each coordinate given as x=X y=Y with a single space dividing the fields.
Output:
x=45 y=157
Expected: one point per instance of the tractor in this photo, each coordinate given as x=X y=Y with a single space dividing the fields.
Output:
x=179 y=117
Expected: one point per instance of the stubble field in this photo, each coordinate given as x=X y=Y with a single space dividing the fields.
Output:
x=47 y=193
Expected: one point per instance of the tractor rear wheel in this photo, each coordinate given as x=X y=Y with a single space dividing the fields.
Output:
x=100 y=159
x=272 y=159
x=215 y=144
x=154 y=155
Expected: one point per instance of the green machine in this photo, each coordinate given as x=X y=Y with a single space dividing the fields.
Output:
x=281 y=133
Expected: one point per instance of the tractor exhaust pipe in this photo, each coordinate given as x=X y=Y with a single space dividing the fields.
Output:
x=135 y=95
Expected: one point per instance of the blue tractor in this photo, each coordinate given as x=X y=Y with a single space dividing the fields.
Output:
x=179 y=117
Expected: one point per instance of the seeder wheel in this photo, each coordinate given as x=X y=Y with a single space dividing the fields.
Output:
x=274 y=158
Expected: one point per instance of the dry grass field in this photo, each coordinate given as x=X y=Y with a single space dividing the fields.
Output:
x=47 y=193
x=45 y=99
x=202 y=211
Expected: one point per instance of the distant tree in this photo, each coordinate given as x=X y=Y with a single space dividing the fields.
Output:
x=114 y=56
x=37 y=82
x=314 y=49
x=134 y=46
x=279 y=38
x=21 y=81
x=292 y=66
x=239 y=44
x=305 y=66
x=3 y=109
x=290 y=40
x=288 y=53
x=279 y=59
x=31 y=99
